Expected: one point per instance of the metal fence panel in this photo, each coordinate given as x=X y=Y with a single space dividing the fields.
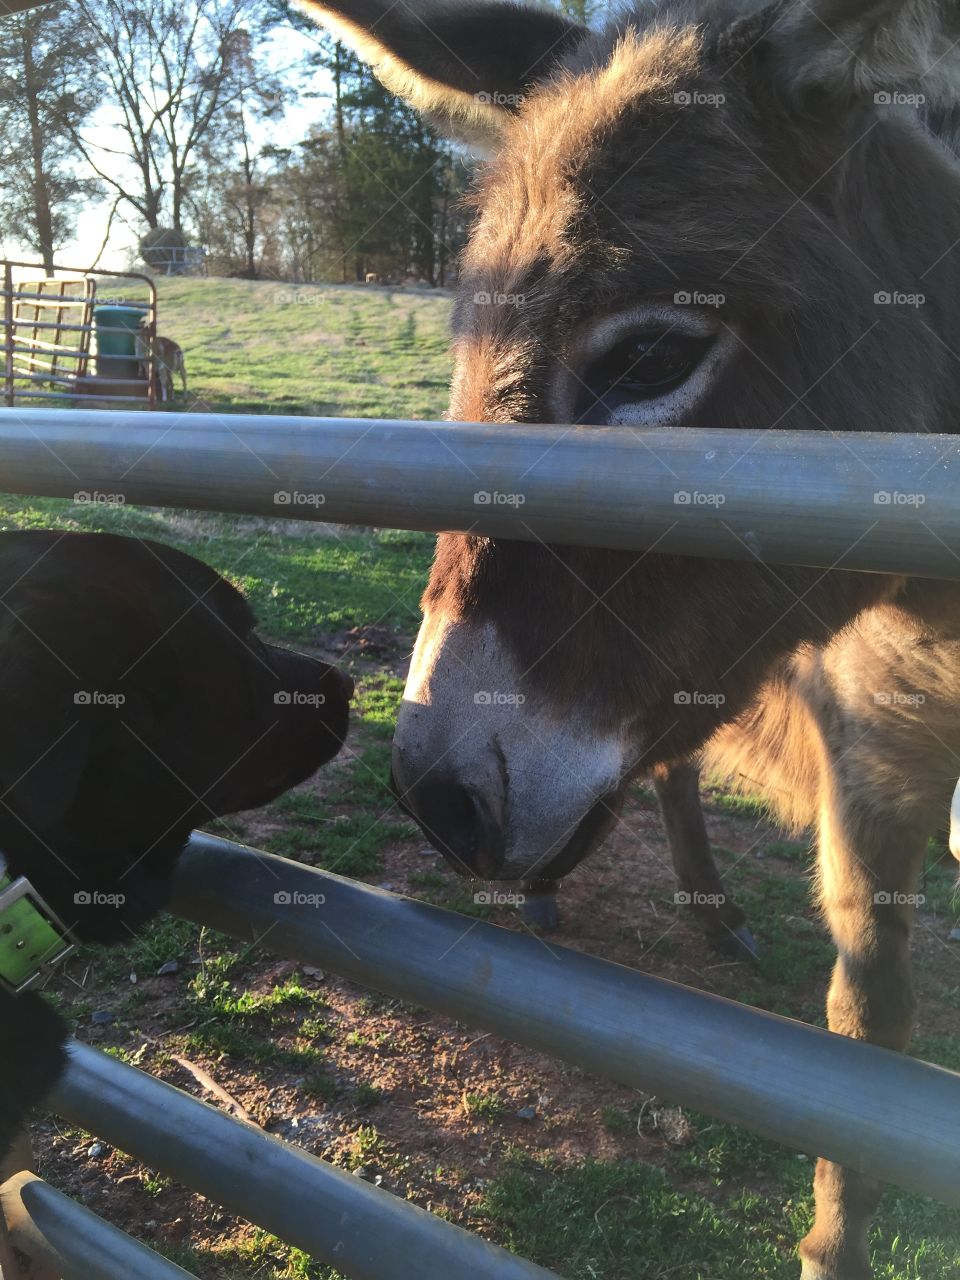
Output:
x=867 y=1108
x=366 y=1233
x=52 y=1229
x=859 y=501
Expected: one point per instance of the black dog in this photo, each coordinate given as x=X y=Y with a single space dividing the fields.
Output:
x=136 y=704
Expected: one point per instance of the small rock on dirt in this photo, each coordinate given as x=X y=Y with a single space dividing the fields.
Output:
x=172 y=966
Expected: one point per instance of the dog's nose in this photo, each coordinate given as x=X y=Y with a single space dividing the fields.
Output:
x=457 y=823
x=349 y=686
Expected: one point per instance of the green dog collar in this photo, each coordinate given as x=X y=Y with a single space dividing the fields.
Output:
x=31 y=936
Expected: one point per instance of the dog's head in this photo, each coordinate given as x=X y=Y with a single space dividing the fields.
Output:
x=137 y=703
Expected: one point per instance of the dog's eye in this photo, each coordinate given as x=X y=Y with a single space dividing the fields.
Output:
x=642 y=366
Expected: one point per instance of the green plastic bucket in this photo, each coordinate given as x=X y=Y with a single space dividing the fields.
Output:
x=117 y=340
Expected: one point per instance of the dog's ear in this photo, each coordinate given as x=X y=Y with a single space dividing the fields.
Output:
x=466 y=66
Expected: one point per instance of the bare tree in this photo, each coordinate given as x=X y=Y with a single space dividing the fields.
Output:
x=233 y=195
x=168 y=71
x=45 y=96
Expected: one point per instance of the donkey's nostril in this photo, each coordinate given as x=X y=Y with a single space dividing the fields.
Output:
x=453 y=820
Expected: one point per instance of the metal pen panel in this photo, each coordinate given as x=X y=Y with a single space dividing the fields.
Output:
x=867 y=1108
x=366 y=1233
x=52 y=1229
x=870 y=501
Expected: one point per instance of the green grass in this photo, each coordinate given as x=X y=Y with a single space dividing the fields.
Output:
x=256 y=347
x=604 y=1220
x=261 y=1255
x=624 y=1220
x=486 y=1107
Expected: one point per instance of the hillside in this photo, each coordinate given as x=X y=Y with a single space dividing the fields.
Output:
x=329 y=350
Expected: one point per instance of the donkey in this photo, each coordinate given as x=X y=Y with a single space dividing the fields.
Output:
x=715 y=214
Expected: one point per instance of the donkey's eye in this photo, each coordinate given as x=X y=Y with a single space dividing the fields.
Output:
x=644 y=366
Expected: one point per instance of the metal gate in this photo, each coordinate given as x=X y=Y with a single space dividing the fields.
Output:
x=792 y=498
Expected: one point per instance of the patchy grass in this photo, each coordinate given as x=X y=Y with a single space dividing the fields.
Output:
x=599 y=1220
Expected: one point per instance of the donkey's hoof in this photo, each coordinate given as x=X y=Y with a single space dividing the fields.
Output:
x=737 y=944
x=540 y=911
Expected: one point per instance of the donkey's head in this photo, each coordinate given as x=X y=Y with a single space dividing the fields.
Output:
x=711 y=214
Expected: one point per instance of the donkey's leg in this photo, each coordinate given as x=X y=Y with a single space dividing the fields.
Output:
x=723 y=922
x=868 y=878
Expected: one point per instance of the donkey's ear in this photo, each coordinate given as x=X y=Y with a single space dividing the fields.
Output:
x=872 y=49
x=466 y=66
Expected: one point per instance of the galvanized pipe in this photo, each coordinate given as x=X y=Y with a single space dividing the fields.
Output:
x=366 y=1233
x=861 y=501
x=55 y=1231
x=884 y=1114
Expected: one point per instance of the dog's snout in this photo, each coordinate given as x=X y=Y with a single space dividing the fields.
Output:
x=347 y=682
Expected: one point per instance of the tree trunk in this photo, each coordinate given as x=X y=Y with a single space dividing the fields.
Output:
x=42 y=212
x=249 y=211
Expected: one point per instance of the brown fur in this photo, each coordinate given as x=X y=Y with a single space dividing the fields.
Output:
x=798 y=196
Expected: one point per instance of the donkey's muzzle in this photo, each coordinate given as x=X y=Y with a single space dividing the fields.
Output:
x=458 y=823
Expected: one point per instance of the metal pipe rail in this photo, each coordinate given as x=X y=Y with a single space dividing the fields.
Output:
x=52 y=1229
x=366 y=1233
x=867 y=501
x=870 y=1109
